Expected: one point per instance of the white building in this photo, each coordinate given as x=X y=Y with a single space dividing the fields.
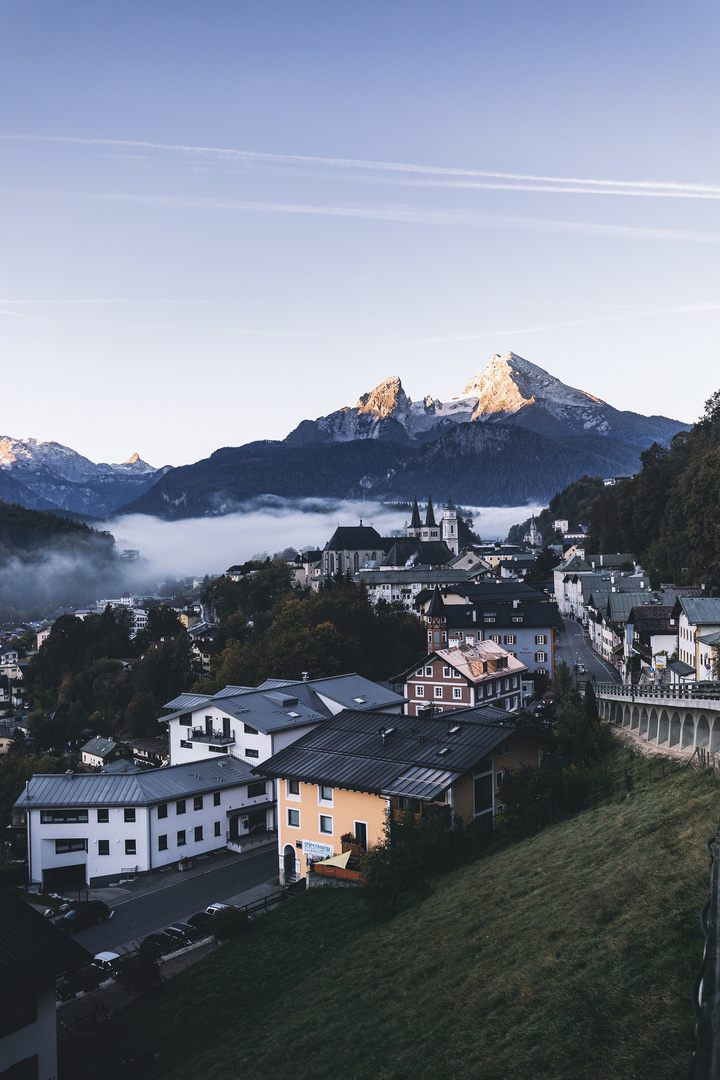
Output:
x=252 y=723
x=96 y=828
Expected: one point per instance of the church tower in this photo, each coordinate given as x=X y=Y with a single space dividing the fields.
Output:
x=450 y=527
x=430 y=530
x=415 y=527
x=436 y=620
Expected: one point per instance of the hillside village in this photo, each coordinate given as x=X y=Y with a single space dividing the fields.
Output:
x=452 y=701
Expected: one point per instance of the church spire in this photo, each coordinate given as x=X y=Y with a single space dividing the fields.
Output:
x=430 y=516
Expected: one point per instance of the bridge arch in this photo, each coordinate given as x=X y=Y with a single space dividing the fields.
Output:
x=634 y=717
x=663 y=728
x=715 y=735
x=702 y=731
x=688 y=732
x=675 y=730
x=642 y=730
x=652 y=726
x=626 y=716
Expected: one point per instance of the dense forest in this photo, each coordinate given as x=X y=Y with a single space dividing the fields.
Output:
x=669 y=512
x=48 y=561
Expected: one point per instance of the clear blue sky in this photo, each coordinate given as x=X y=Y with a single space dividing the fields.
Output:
x=223 y=217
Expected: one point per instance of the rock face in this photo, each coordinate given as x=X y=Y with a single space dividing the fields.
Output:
x=509 y=390
x=47 y=475
x=516 y=434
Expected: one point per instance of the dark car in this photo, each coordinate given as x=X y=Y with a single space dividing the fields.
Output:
x=64 y=989
x=83 y=915
x=160 y=943
x=185 y=933
x=201 y=921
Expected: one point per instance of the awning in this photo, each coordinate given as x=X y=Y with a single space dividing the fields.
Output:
x=336 y=860
x=239 y=811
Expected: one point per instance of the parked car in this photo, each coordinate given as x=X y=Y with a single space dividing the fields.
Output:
x=201 y=921
x=64 y=988
x=82 y=916
x=86 y=977
x=107 y=963
x=213 y=909
x=161 y=943
x=184 y=932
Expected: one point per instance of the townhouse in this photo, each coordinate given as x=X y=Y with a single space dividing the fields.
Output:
x=461 y=676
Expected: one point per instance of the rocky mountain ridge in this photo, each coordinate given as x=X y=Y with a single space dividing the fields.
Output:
x=45 y=475
x=509 y=390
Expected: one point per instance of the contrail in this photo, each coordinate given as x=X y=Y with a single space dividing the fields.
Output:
x=400 y=214
x=581 y=184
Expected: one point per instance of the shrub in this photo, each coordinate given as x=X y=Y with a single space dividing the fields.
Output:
x=228 y=923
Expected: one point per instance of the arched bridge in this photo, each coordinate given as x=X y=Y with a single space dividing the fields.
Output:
x=682 y=716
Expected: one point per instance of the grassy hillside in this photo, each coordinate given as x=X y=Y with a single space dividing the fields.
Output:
x=569 y=955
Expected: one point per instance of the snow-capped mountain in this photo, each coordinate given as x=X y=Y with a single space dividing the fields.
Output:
x=47 y=475
x=515 y=434
x=509 y=390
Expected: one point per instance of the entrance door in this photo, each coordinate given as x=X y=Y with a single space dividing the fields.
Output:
x=289 y=863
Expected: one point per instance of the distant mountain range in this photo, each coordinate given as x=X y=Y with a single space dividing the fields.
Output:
x=50 y=476
x=516 y=434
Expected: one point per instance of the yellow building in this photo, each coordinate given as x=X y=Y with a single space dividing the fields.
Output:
x=336 y=784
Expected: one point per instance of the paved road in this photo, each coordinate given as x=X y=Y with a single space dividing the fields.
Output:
x=575 y=648
x=134 y=918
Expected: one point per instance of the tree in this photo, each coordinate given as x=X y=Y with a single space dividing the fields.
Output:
x=140 y=973
x=390 y=868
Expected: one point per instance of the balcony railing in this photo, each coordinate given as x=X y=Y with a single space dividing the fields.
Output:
x=217 y=737
x=247 y=840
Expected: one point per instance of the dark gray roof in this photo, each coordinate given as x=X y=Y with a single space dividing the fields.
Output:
x=681 y=668
x=357 y=538
x=701 y=610
x=505 y=616
x=393 y=755
x=422 y=552
x=497 y=592
x=99 y=746
x=134 y=789
x=279 y=704
x=31 y=948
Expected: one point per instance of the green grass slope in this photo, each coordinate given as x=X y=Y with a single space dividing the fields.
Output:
x=569 y=955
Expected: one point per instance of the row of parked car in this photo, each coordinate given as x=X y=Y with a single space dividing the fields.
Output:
x=105 y=965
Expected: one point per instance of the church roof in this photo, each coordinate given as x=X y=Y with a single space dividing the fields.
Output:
x=356 y=538
x=430 y=516
x=437 y=608
x=415 y=522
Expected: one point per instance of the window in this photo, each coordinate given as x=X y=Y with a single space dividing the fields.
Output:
x=181 y=841
x=326 y=823
x=510 y=639
x=293 y=789
x=540 y=639
x=428 y=671
x=63 y=817
x=438 y=691
x=252 y=753
x=541 y=671
x=419 y=691
x=103 y=817
x=129 y=814
x=130 y=847
x=198 y=833
x=488 y=689
x=162 y=809
x=507 y=684
x=294 y=818
x=217 y=828
x=162 y=842
x=103 y=847
x=254 y=790
x=446 y=672
x=325 y=794
x=63 y=846
x=360 y=830
x=540 y=657
x=457 y=693
x=249 y=730
x=180 y=806
x=185 y=744
x=495 y=638
x=198 y=802
x=514 y=682
x=216 y=798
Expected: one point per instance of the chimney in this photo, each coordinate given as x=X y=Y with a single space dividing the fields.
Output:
x=305 y=676
x=69 y=774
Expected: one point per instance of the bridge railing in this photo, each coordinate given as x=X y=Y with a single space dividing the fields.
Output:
x=666 y=691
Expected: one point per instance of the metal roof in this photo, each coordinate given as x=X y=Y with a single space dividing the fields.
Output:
x=135 y=789
x=459 y=617
x=701 y=610
x=415 y=756
x=31 y=948
x=278 y=704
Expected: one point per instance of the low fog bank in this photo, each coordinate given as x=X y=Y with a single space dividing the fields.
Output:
x=199 y=546
x=195 y=547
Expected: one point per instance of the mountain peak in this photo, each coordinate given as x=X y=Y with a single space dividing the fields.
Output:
x=385 y=400
x=509 y=383
x=133 y=459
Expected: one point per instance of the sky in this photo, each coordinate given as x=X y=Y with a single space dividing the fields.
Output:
x=223 y=217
